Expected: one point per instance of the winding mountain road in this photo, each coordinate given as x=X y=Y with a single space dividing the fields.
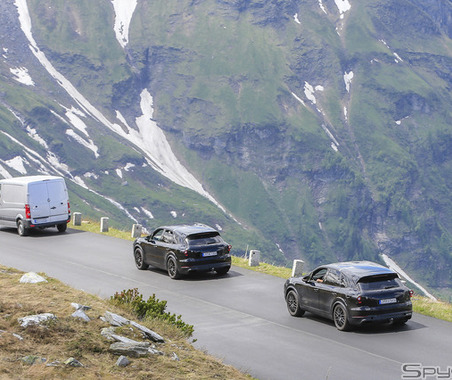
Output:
x=240 y=318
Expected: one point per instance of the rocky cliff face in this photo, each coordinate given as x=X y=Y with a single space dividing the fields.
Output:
x=321 y=127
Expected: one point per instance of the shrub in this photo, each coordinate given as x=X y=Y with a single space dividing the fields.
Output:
x=152 y=308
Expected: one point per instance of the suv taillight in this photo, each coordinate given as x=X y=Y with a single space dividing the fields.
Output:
x=68 y=207
x=228 y=248
x=27 y=211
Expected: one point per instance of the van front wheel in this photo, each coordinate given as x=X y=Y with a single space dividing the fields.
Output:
x=62 y=227
x=21 y=230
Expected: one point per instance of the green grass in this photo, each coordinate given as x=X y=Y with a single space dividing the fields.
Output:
x=440 y=310
x=421 y=305
x=273 y=270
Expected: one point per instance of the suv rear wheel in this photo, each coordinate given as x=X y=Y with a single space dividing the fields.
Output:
x=171 y=266
x=340 y=318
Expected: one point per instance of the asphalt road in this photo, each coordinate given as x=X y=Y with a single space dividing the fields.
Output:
x=240 y=318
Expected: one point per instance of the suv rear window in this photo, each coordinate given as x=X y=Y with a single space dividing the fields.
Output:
x=204 y=239
x=379 y=282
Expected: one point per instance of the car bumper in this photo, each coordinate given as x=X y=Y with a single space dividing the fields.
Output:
x=187 y=266
x=364 y=315
x=28 y=223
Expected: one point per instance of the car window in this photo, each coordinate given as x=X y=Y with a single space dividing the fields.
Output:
x=345 y=282
x=333 y=277
x=168 y=237
x=204 y=239
x=319 y=275
x=379 y=282
x=158 y=235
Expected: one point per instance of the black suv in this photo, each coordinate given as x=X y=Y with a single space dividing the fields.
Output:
x=350 y=293
x=182 y=249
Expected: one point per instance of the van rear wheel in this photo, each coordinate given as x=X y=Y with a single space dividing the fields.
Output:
x=62 y=227
x=21 y=230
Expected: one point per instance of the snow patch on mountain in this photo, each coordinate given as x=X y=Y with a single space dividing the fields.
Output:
x=296 y=19
x=343 y=6
x=4 y=173
x=34 y=135
x=298 y=98
x=322 y=7
x=348 y=80
x=73 y=115
x=123 y=15
x=129 y=166
x=55 y=162
x=393 y=265
x=90 y=175
x=334 y=143
x=22 y=76
x=397 y=57
x=309 y=92
x=121 y=119
x=36 y=157
x=17 y=163
x=87 y=144
x=148 y=213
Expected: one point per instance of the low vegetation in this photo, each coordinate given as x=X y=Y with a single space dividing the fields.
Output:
x=40 y=351
x=153 y=309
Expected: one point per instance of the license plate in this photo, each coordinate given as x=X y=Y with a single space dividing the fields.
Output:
x=206 y=254
x=388 y=300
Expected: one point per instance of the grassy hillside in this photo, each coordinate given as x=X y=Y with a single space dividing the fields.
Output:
x=40 y=352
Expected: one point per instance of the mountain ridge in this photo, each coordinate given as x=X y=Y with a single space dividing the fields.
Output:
x=319 y=129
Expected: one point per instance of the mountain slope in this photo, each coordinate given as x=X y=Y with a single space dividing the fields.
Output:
x=314 y=130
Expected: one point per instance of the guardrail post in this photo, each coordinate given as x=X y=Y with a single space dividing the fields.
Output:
x=77 y=219
x=104 y=224
x=137 y=229
x=297 y=268
x=255 y=258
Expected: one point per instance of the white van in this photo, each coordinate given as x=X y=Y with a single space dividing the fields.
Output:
x=34 y=202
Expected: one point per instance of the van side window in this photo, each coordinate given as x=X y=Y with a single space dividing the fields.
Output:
x=13 y=193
